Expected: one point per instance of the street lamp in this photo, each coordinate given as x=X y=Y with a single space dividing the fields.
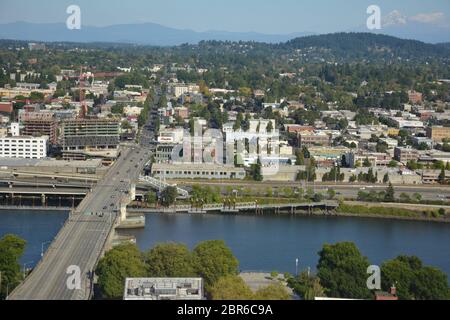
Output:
x=42 y=247
x=25 y=270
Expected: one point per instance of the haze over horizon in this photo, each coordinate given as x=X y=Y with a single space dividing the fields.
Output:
x=268 y=17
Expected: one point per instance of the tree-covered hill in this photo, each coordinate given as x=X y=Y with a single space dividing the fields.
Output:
x=367 y=45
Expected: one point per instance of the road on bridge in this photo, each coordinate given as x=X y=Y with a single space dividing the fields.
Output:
x=81 y=241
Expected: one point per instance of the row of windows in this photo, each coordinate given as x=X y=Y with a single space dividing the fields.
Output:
x=21 y=141
x=20 y=150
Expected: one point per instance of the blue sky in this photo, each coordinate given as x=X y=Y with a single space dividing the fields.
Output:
x=266 y=16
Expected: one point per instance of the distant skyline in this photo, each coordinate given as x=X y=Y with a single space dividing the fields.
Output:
x=264 y=16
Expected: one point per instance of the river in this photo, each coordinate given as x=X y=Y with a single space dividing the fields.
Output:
x=262 y=243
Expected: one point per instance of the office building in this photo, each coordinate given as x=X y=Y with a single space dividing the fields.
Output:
x=22 y=147
x=86 y=138
x=405 y=154
x=438 y=134
x=39 y=124
x=163 y=289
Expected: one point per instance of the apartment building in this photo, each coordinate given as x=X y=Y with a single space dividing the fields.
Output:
x=38 y=124
x=23 y=147
x=438 y=134
x=90 y=138
x=307 y=139
x=405 y=154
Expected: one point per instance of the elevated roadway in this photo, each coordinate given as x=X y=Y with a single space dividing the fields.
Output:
x=82 y=240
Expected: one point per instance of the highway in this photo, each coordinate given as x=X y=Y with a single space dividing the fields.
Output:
x=82 y=239
x=40 y=191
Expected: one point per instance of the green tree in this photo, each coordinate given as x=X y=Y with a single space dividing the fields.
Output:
x=390 y=194
x=257 y=171
x=343 y=271
x=442 y=176
x=238 y=124
x=231 y=287
x=431 y=284
x=393 y=164
x=300 y=158
x=169 y=260
x=331 y=194
x=306 y=286
x=11 y=250
x=152 y=198
x=367 y=163
x=413 y=280
x=213 y=260
x=318 y=197
x=270 y=127
x=169 y=196
x=274 y=292
x=124 y=261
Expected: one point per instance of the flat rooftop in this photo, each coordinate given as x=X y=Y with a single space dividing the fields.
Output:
x=10 y=162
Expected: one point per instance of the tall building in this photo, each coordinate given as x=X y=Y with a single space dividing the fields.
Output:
x=38 y=124
x=81 y=138
x=22 y=147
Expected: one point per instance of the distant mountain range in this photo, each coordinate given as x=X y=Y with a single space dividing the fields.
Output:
x=393 y=24
x=427 y=28
x=145 y=34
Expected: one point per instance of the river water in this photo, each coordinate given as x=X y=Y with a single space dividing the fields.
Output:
x=262 y=243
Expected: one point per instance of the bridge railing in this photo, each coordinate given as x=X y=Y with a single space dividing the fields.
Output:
x=161 y=185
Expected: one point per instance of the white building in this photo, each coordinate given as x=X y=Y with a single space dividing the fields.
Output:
x=132 y=110
x=163 y=289
x=23 y=147
x=174 y=136
x=15 y=129
x=180 y=89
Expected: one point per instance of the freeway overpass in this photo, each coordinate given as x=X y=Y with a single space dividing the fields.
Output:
x=85 y=236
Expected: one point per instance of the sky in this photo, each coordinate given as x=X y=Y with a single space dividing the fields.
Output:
x=264 y=16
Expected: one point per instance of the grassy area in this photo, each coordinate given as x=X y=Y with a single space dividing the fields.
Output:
x=387 y=212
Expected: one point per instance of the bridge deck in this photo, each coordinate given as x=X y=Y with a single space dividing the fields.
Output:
x=82 y=240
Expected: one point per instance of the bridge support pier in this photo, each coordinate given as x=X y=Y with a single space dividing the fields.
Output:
x=133 y=192
x=123 y=212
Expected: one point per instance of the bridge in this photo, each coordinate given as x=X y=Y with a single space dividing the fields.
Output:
x=242 y=207
x=85 y=236
x=161 y=185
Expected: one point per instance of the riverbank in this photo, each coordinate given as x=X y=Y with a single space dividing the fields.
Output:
x=391 y=211
x=396 y=211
